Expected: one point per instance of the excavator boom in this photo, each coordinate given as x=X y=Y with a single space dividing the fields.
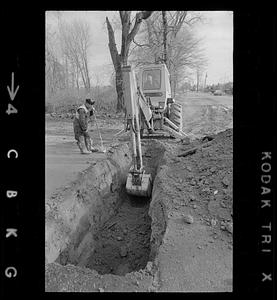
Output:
x=150 y=107
x=138 y=182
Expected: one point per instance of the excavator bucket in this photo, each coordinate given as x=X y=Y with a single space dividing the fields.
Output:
x=139 y=184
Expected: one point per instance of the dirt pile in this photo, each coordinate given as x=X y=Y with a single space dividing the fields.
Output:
x=202 y=179
x=191 y=213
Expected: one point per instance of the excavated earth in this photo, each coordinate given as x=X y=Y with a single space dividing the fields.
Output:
x=99 y=239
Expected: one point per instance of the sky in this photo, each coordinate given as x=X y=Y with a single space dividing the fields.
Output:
x=217 y=35
x=216 y=32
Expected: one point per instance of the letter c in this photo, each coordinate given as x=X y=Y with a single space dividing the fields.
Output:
x=12 y=150
x=11 y=272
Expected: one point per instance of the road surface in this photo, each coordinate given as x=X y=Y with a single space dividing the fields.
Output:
x=63 y=160
x=202 y=99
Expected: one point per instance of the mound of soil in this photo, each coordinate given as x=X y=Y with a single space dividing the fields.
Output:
x=204 y=179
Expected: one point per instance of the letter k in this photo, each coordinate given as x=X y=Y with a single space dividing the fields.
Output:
x=11 y=231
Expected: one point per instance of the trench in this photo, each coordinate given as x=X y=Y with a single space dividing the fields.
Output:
x=122 y=243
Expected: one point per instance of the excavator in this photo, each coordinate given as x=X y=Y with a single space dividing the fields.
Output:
x=150 y=109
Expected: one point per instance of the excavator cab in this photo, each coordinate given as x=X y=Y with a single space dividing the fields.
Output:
x=154 y=83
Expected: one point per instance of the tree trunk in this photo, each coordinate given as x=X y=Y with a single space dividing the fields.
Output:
x=116 y=58
x=66 y=71
x=127 y=37
x=119 y=89
x=165 y=36
x=77 y=83
x=197 y=80
x=87 y=74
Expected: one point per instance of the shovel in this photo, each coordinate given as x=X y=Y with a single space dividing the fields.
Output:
x=102 y=148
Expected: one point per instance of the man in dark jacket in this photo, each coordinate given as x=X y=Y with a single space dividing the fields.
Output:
x=80 y=126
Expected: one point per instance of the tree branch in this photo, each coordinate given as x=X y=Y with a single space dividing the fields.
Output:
x=146 y=14
x=193 y=20
x=143 y=15
x=140 y=45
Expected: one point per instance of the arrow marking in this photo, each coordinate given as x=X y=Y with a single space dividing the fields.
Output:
x=12 y=93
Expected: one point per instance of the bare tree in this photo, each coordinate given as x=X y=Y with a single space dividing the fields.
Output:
x=54 y=70
x=75 y=41
x=167 y=37
x=186 y=54
x=128 y=34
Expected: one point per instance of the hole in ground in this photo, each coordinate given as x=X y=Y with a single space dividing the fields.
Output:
x=122 y=245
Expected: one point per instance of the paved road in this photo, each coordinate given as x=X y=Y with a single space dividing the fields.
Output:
x=193 y=98
x=63 y=160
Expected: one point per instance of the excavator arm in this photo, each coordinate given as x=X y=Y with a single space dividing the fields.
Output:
x=138 y=182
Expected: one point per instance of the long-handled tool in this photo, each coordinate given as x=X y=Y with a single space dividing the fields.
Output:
x=102 y=148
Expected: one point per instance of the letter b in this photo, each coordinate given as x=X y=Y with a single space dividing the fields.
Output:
x=11 y=194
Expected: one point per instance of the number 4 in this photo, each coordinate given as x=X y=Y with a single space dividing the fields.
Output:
x=11 y=109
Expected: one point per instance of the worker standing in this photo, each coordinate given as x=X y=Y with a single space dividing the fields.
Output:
x=80 y=126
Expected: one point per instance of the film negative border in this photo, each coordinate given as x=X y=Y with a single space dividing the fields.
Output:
x=22 y=153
